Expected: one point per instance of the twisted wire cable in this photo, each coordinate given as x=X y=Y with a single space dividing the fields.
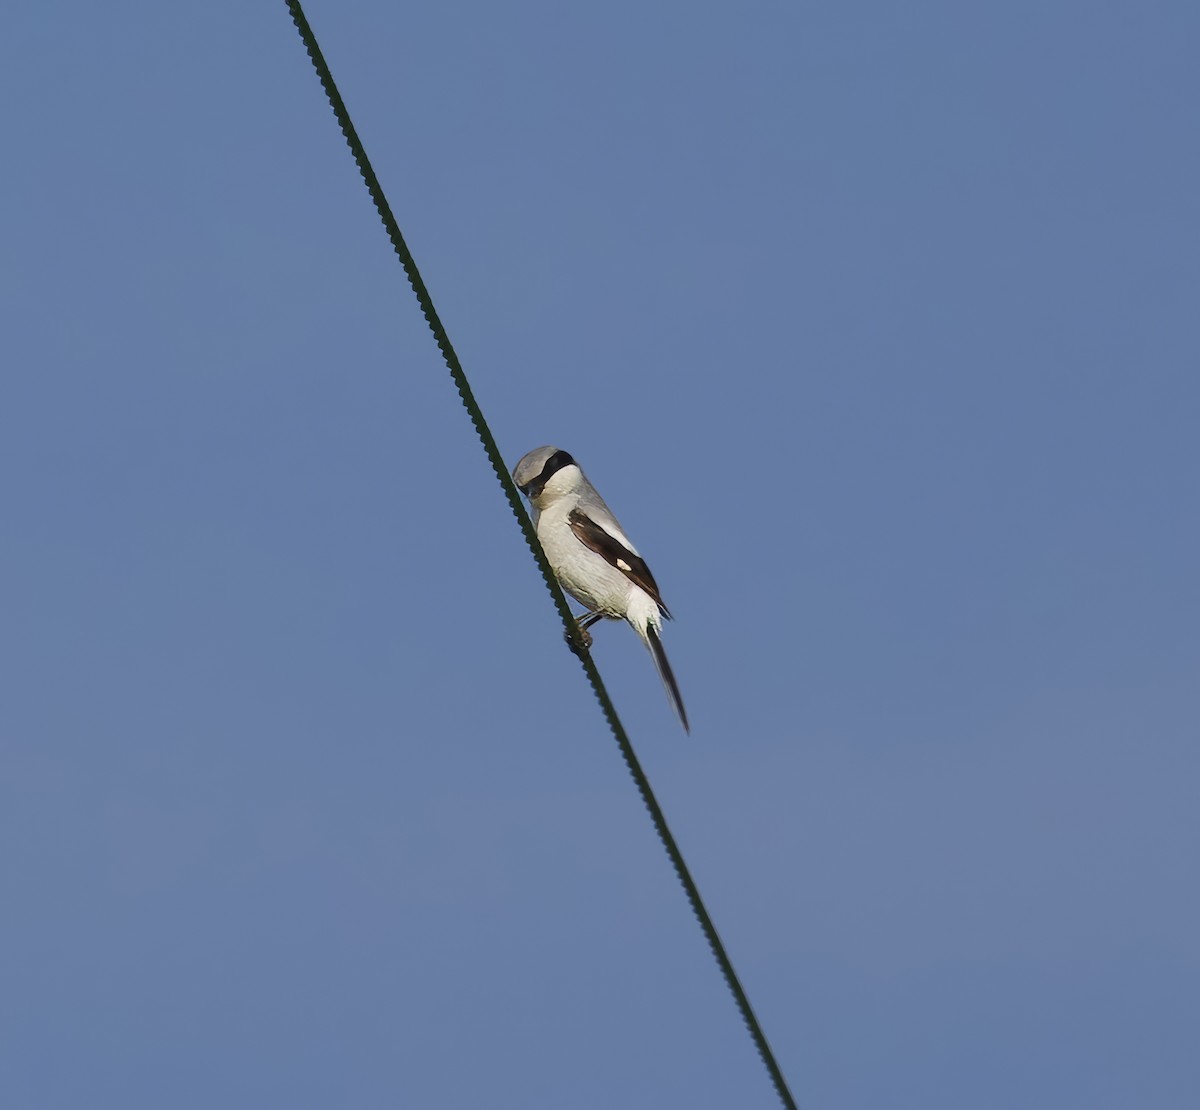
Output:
x=514 y=500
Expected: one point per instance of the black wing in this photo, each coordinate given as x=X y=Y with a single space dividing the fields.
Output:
x=616 y=554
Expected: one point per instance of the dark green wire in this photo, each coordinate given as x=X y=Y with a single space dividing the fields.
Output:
x=514 y=501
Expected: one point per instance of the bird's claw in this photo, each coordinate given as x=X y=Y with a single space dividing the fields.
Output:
x=579 y=640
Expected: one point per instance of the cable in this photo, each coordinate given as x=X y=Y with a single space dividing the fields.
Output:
x=514 y=501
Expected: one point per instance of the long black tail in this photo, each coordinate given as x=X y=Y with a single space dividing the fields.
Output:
x=667 y=675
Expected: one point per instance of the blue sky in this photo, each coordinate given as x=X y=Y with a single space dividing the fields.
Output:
x=878 y=328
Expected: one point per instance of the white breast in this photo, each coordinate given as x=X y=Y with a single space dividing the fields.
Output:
x=584 y=574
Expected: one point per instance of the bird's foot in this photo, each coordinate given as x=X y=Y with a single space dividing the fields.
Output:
x=579 y=640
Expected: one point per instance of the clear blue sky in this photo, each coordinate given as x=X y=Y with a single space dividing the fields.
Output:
x=879 y=327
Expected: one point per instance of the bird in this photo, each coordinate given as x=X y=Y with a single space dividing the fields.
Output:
x=591 y=556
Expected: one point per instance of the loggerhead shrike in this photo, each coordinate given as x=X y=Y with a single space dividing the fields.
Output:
x=592 y=557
